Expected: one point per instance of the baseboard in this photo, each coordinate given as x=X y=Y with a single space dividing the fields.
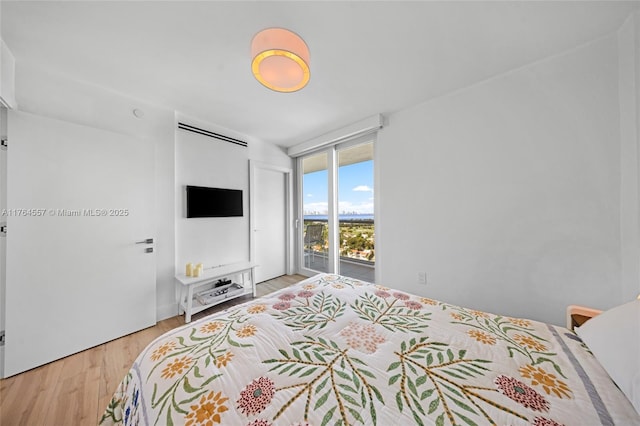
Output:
x=166 y=311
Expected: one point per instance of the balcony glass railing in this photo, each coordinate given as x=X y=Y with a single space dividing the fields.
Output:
x=357 y=239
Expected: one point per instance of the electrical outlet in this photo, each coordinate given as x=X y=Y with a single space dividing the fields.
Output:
x=422 y=277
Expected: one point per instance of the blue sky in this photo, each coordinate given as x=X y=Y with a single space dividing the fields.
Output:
x=355 y=189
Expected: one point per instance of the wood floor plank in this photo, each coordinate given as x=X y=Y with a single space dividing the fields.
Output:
x=76 y=390
x=76 y=399
x=30 y=398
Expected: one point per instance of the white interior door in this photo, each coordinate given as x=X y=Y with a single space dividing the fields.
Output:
x=78 y=200
x=269 y=218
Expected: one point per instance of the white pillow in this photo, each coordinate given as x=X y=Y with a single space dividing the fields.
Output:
x=614 y=338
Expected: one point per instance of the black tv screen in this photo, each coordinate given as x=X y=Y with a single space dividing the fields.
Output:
x=213 y=202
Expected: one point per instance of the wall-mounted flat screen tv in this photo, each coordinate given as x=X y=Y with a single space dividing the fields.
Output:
x=213 y=202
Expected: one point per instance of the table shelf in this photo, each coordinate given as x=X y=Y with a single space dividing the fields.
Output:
x=190 y=305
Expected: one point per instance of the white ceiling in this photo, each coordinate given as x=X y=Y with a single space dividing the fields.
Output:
x=366 y=57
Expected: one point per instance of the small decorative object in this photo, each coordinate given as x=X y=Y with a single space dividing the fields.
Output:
x=189 y=270
x=200 y=268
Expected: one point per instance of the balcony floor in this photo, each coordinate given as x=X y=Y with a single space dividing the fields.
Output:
x=355 y=270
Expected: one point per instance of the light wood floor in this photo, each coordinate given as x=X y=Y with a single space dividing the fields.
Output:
x=75 y=390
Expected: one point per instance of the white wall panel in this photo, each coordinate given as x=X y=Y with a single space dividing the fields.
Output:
x=507 y=193
x=205 y=161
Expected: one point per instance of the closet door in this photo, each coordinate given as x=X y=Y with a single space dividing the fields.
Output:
x=270 y=219
x=79 y=271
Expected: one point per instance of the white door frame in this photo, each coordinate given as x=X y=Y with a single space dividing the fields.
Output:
x=253 y=166
x=331 y=220
x=3 y=239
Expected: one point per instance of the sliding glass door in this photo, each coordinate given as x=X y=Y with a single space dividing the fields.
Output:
x=355 y=211
x=315 y=207
x=338 y=232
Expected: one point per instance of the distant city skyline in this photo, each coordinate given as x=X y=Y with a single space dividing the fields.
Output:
x=355 y=190
x=344 y=213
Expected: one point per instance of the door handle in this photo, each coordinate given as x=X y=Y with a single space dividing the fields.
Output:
x=147 y=241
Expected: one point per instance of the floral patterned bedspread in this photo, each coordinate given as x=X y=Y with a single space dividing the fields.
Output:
x=336 y=351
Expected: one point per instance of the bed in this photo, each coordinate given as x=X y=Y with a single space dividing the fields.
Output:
x=332 y=350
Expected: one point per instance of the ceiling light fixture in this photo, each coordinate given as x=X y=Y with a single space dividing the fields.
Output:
x=280 y=60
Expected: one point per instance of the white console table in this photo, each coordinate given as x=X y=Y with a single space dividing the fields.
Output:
x=190 y=305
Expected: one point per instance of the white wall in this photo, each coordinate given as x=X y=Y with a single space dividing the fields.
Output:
x=165 y=222
x=57 y=96
x=205 y=161
x=629 y=93
x=508 y=192
x=269 y=154
x=7 y=76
